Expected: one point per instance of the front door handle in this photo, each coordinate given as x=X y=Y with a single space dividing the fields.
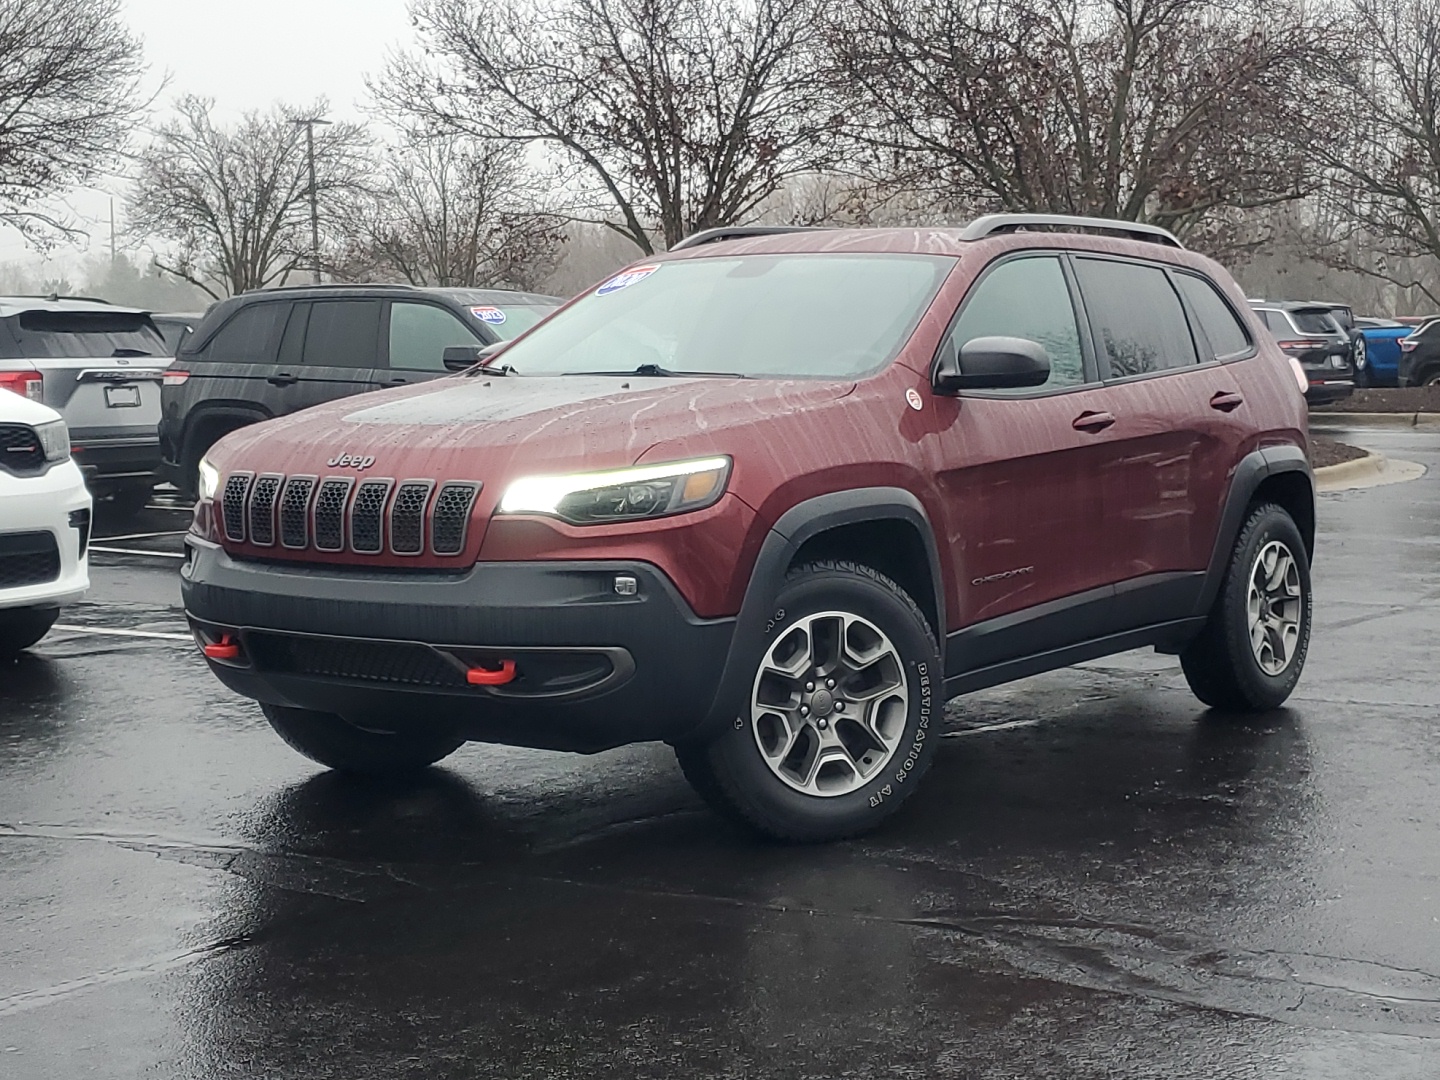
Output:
x=1226 y=400
x=1093 y=421
x=282 y=378
x=399 y=380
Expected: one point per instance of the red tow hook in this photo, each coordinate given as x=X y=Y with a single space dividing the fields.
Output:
x=224 y=649
x=479 y=676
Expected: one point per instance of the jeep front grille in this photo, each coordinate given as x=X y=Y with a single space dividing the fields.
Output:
x=337 y=514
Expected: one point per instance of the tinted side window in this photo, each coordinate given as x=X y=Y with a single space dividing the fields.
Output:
x=1225 y=332
x=1140 y=326
x=1026 y=298
x=247 y=337
x=343 y=333
x=1275 y=322
x=420 y=334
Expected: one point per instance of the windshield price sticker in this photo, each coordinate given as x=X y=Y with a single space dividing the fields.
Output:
x=492 y=315
x=625 y=280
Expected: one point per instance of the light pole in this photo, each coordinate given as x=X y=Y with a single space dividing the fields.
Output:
x=310 y=123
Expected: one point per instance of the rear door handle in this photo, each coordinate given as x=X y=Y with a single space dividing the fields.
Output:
x=1093 y=421
x=1226 y=400
x=282 y=378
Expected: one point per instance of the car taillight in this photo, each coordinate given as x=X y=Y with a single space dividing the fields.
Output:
x=28 y=384
x=1302 y=344
x=176 y=378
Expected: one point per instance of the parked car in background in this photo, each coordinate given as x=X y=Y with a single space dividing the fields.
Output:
x=44 y=523
x=276 y=351
x=1420 y=356
x=174 y=327
x=773 y=497
x=100 y=367
x=1309 y=333
x=1382 y=351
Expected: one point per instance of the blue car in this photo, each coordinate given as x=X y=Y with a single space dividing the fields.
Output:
x=1382 y=351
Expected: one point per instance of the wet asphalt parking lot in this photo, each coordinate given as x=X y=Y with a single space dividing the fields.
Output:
x=1098 y=880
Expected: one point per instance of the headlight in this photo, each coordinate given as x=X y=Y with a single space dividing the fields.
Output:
x=54 y=440
x=645 y=491
x=207 y=480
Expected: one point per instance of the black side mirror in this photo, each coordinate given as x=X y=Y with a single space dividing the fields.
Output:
x=460 y=357
x=992 y=363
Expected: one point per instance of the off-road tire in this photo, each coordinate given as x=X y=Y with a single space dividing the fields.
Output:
x=22 y=627
x=1220 y=664
x=730 y=773
x=333 y=741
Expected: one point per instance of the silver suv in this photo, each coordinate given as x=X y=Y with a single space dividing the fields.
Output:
x=100 y=367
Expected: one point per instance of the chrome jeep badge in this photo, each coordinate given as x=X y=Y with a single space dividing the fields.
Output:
x=351 y=461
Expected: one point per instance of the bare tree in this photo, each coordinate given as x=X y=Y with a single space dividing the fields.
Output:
x=453 y=210
x=1383 y=186
x=671 y=115
x=235 y=202
x=69 y=96
x=1171 y=111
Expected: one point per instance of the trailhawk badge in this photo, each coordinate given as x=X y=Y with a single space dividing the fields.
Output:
x=351 y=461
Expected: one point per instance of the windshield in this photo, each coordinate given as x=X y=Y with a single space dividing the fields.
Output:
x=40 y=335
x=510 y=320
x=758 y=315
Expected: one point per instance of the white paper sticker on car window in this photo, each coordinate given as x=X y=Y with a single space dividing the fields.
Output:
x=625 y=280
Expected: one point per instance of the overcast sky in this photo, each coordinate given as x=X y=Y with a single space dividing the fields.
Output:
x=247 y=54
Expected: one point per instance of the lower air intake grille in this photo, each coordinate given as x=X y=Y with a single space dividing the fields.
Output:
x=262 y=510
x=393 y=662
x=30 y=558
x=295 y=511
x=233 y=505
x=330 y=502
x=450 y=517
x=407 y=517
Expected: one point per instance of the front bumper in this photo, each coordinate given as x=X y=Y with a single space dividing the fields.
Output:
x=45 y=504
x=595 y=669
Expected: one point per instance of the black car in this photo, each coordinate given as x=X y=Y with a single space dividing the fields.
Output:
x=272 y=352
x=1310 y=333
x=1420 y=356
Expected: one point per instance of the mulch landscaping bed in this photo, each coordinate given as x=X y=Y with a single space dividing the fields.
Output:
x=1325 y=451
x=1411 y=399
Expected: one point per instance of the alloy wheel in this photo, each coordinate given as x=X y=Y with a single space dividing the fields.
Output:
x=829 y=704
x=1275 y=604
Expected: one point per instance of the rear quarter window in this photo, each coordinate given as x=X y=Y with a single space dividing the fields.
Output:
x=1314 y=322
x=1218 y=322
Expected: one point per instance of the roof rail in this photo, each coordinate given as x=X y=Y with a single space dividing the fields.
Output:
x=337 y=285
x=737 y=232
x=994 y=224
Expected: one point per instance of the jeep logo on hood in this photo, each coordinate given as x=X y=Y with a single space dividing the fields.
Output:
x=351 y=461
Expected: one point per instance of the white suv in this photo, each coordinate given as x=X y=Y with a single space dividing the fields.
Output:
x=44 y=522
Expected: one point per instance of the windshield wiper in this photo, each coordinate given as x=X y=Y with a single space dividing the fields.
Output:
x=655 y=371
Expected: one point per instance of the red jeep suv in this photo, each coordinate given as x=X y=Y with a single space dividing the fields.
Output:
x=773 y=498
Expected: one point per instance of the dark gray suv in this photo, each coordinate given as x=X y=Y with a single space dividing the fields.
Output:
x=275 y=351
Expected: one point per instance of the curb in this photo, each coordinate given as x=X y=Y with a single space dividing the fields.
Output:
x=1373 y=470
x=1349 y=471
x=1333 y=420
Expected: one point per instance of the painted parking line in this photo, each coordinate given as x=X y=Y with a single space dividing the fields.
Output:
x=1009 y=725
x=136 y=551
x=140 y=536
x=71 y=628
